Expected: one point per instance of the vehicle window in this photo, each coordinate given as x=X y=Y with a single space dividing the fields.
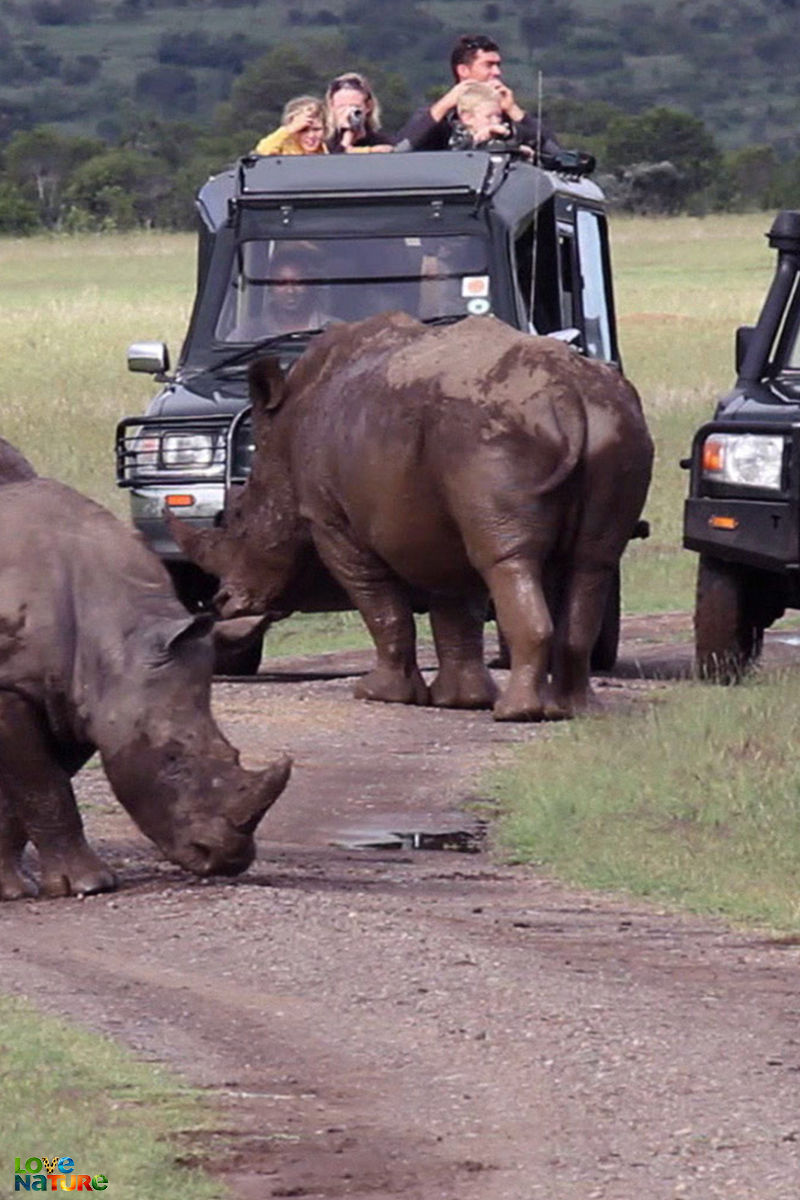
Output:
x=594 y=300
x=281 y=286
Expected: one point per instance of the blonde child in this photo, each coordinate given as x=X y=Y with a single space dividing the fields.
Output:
x=301 y=131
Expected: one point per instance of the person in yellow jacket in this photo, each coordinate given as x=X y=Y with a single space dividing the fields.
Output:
x=301 y=131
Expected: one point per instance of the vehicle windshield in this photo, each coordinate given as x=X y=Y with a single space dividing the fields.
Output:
x=281 y=286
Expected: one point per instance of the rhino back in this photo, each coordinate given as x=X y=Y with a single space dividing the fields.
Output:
x=391 y=395
x=74 y=581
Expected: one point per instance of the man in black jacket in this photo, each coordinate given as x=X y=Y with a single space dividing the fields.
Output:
x=475 y=58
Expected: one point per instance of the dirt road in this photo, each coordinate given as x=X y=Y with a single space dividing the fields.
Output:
x=423 y=1024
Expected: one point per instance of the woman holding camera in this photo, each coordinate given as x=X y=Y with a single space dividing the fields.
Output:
x=354 y=116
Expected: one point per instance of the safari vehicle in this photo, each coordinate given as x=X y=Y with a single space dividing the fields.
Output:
x=742 y=514
x=290 y=244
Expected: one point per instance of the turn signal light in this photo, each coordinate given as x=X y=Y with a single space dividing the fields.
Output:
x=713 y=455
x=179 y=500
x=723 y=522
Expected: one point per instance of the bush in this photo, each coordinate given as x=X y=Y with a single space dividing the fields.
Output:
x=169 y=89
x=62 y=12
x=76 y=72
x=17 y=215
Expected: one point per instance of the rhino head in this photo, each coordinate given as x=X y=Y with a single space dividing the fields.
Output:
x=259 y=549
x=168 y=762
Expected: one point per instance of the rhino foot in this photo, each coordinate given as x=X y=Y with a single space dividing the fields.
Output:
x=14 y=885
x=393 y=687
x=560 y=708
x=78 y=875
x=524 y=698
x=463 y=687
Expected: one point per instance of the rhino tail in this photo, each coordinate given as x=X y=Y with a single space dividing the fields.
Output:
x=564 y=426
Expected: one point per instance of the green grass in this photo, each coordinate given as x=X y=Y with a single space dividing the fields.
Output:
x=693 y=800
x=69 y=309
x=71 y=1093
x=682 y=285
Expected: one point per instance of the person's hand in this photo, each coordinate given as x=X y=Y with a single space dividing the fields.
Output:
x=507 y=101
x=488 y=130
x=441 y=107
x=300 y=120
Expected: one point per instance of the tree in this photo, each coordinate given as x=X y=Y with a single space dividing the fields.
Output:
x=663 y=135
x=119 y=189
x=39 y=163
x=17 y=215
x=260 y=92
x=169 y=89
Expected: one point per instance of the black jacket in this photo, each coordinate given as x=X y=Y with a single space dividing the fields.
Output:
x=375 y=137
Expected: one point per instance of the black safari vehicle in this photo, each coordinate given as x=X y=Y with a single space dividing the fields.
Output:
x=289 y=244
x=743 y=509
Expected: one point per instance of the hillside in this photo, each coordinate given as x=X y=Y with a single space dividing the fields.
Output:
x=83 y=65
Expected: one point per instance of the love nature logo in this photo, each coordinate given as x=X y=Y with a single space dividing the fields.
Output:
x=42 y=1174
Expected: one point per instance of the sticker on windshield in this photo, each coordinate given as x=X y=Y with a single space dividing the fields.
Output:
x=474 y=285
x=478 y=307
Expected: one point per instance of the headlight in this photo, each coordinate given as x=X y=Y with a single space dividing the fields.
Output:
x=745 y=459
x=187 y=450
x=186 y=453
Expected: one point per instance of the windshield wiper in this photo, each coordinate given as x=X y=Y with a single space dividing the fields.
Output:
x=445 y=319
x=265 y=343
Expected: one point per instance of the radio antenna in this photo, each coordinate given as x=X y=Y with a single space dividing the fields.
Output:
x=535 y=246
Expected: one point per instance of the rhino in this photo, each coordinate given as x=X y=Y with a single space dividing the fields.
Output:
x=97 y=653
x=438 y=467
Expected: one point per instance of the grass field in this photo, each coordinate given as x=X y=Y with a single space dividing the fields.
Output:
x=70 y=1093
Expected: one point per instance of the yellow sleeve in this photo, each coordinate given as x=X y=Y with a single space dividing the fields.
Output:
x=275 y=142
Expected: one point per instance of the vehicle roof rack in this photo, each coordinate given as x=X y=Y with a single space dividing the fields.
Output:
x=353 y=176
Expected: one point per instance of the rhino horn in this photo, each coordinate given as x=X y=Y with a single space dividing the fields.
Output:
x=246 y=809
x=266 y=383
x=201 y=546
x=235 y=630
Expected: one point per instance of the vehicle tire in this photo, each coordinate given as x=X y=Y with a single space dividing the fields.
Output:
x=727 y=634
x=606 y=647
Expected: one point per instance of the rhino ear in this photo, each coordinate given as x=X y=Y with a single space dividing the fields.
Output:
x=267 y=383
x=238 y=629
x=183 y=630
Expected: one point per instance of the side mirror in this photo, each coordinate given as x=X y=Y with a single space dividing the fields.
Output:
x=150 y=357
x=744 y=335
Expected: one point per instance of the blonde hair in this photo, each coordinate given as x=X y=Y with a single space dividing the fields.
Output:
x=474 y=95
x=315 y=106
x=352 y=79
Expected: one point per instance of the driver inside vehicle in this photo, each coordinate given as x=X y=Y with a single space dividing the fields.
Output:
x=287 y=300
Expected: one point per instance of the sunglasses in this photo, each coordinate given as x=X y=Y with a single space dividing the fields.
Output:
x=349 y=81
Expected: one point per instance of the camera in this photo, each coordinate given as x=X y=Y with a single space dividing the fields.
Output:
x=355 y=120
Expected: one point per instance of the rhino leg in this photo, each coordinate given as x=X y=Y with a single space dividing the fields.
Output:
x=38 y=789
x=463 y=680
x=577 y=627
x=13 y=882
x=382 y=601
x=524 y=617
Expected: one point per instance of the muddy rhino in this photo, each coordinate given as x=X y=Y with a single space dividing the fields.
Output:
x=96 y=652
x=442 y=463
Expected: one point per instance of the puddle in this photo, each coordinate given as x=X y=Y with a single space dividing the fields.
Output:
x=458 y=832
